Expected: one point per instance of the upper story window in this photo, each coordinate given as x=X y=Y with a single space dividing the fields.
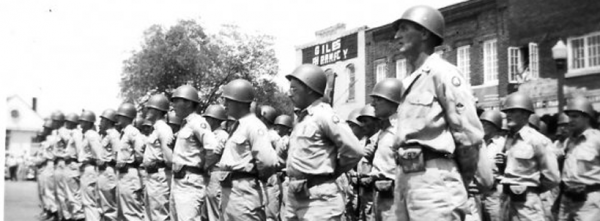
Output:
x=490 y=62
x=401 y=68
x=463 y=61
x=380 y=70
x=350 y=71
x=584 y=54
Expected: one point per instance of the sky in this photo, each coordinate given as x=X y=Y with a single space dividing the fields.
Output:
x=69 y=54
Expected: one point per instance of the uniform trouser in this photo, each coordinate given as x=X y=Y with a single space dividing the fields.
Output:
x=213 y=197
x=584 y=210
x=243 y=200
x=548 y=199
x=74 y=194
x=530 y=209
x=48 y=185
x=189 y=195
x=438 y=193
x=384 y=206
x=474 y=204
x=491 y=204
x=60 y=178
x=325 y=201
x=273 y=193
x=158 y=187
x=130 y=195
x=284 y=198
x=89 y=190
x=351 y=213
x=344 y=183
x=107 y=193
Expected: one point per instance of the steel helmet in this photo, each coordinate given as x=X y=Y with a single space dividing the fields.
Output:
x=353 y=117
x=48 y=123
x=426 y=16
x=72 y=117
x=187 y=92
x=389 y=89
x=159 y=102
x=239 y=90
x=127 y=110
x=268 y=112
x=173 y=119
x=534 y=121
x=518 y=101
x=310 y=75
x=284 y=120
x=562 y=119
x=57 y=115
x=88 y=116
x=492 y=116
x=215 y=111
x=581 y=104
x=367 y=111
x=109 y=114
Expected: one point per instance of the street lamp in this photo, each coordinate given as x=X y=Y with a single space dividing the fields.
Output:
x=559 y=54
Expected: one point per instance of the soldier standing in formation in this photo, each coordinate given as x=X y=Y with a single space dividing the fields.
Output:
x=215 y=116
x=107 y=173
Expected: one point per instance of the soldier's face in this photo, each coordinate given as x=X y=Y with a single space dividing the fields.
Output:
x=85 y=125
x=488 y=128
x=383 y=107
x=57 y=124
x=281 y=130
x=298 y=93
x=180 y=106
x=578 y=121
x=408 y=38
x=70 y=125
x=370 y=124
x=516 y=118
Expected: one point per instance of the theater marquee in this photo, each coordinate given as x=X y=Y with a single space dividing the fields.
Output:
x=332 y=51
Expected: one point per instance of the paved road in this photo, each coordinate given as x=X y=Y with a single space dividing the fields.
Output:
x=21 y=201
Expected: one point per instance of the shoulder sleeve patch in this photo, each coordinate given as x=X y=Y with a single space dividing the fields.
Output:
x=203 y=125
x=456 y=81
x=335 y=119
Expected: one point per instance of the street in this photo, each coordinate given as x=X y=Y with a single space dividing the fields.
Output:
x=21 y=201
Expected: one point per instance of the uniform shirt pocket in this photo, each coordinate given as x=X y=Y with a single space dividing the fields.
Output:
x=420 y=104
x=240 y=143
x=523 y=154
x=585 y=156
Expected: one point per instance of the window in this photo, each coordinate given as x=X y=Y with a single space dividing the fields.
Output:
x=515 y=64
x=584 y=52
x=380 y=70
x=463 y=61
x=534 y=61
x=401 y=69
x=490 y=62
x=350 y=71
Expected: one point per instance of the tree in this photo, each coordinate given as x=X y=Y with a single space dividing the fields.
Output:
x=185 y=54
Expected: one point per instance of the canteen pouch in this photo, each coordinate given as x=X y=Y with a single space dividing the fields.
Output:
x=366 y=181
x=384 y=186
x=224 y=179
x=411 y=159
x=299 y=188
x=517 y=193
x=577 y=193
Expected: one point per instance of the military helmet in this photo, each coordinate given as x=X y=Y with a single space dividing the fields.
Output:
x=367 y=111
x=109 y=114
x=173 y=119
x=57 y=115
x=518 y=101
x=268 y=112
x=88 y=116
x=159 y=102
x=72 y=117
x=127 y=110
x=353 y=117
x=48 y=123
x=239 y=90
x=284 y=120
x=215 y=111
x=389 y=89
x=310 y=75
x=492 y=116
x=534 y=121
x=580 y=104
x=562 y=119
x=426 y=16
x=186 y=92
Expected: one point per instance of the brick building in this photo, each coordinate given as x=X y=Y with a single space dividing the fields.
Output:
x=502 y=46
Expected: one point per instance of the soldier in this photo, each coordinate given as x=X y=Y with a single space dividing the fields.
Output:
x=366 y=189
x=530 y=167
x=107 y=174
x=193 y=155
x=562 y=133
x=321 y=149
x=283 y=125
x=352 y=201
x=45 y=162
x=60 y=172
x=267 y=115
x=88 y=157
x=215 y=115
x=386 y=96
x=581 y=173
x=130 y=196
x=494 y=143
x=439 y=132
x=72 y=170
x=248 y=158
x=175 y=123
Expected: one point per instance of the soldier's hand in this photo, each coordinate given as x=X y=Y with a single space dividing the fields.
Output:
x=500 y=158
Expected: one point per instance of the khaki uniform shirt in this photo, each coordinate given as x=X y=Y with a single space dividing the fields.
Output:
x=249 y=149
x=110 y=144
x=60 y=146
x=582 y=161
x=322 y=144
x=529 y=161
x=196 y=144
x=90 y=146
x=161 y=133
x=384 y=158
x=494 y=146
x=74 y=143
x=438 y=111
x=131 y=145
